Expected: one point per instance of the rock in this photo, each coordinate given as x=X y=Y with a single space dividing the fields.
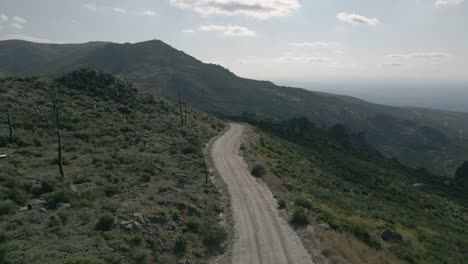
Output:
x=127 y=225
x=289 y=186
x=63 y=206
x=74 y=188
x=36 y=203
x=23 y=209
x=172 y=225
x=418 y=185
x=185 y=261
x=139 y=217
x=138 y=225
x=325 y=226
x=390 y=236
x=43 y=210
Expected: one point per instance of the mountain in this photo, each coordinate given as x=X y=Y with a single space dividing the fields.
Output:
x=133 y=189
x=432 y=139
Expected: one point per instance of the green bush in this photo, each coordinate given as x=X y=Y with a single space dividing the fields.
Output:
x=281 y=204
x=258 y=171
x=193 y=225
x=180 y=246
x=299 y=218
x=214 y=237
x=7 y=207
x=105 y=222
x=303 y=202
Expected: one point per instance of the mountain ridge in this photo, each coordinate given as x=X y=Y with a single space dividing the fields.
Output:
x=419 y=137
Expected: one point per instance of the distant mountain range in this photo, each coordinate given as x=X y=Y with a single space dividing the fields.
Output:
x=432 y=139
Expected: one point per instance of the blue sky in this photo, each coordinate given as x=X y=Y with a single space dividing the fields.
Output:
x=280 y=40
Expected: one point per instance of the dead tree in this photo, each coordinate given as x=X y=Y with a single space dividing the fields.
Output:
x=185 y=113
x=10 y=126
x=59 y=140
x=180 y=108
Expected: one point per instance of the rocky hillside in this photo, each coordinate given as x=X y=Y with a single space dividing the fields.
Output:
x=133 y=189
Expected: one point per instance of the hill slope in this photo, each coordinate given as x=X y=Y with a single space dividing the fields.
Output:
x=419 y=137
x=134 y=178
x=363 y=209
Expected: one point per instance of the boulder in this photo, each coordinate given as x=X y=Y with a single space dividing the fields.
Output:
x=63 y=206
x=36 y=204
x=139 y=217
x=127 y=225
x=43 y=210
x=192 y=210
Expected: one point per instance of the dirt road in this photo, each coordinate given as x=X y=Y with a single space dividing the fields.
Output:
x=261 y=235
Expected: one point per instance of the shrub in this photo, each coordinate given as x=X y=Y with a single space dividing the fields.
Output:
x=105 y=222
x=193 y=225
x=303 y=202
x=6 y=207
x=281 y=204
x=258 y=171
x=180 y=246
x=299 y=218
x=214 y=237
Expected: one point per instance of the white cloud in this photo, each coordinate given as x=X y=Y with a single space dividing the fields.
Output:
x=419 y=55
x=17 y=26
x=188 y=31
x=3 y=18
x=119 y=10
x=231 y=31
x=236 y=31
x=287 y=59
x=261 y=9
x=314 y=44
x=30 y=38
x=209 y=28
x=357 y=19
x=19 y=20
x=339 y=52
x=447 y=3
x=90 y=6
x=149 y=13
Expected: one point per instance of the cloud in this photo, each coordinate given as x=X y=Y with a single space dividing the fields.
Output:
x=76 y=22
x=90 y=6
x=236 y=31
x=288 y=59
x=188 y=31
x=448 y=3
x=3 y=18
x=231 y=31
x=391 y=65
x=209 y=28
x=19 y=20
x=30 y=38
x=260 y=9
x=149 y=13
x=357 y=19
x=17 y=26
x=313 y=44
x=419 y=55
x=119 y=10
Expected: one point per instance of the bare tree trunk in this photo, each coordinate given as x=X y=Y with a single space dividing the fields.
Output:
x=206 y=170
x=180 y=109
x=185 y=113
x=10 y=126
x=59 y=141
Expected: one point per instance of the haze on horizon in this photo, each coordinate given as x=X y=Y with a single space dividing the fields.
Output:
x=404 y=48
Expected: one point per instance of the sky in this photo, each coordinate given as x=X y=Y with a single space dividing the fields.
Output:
x=286 y=41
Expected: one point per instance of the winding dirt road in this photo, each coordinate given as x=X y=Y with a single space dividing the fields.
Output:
x=261 y=235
